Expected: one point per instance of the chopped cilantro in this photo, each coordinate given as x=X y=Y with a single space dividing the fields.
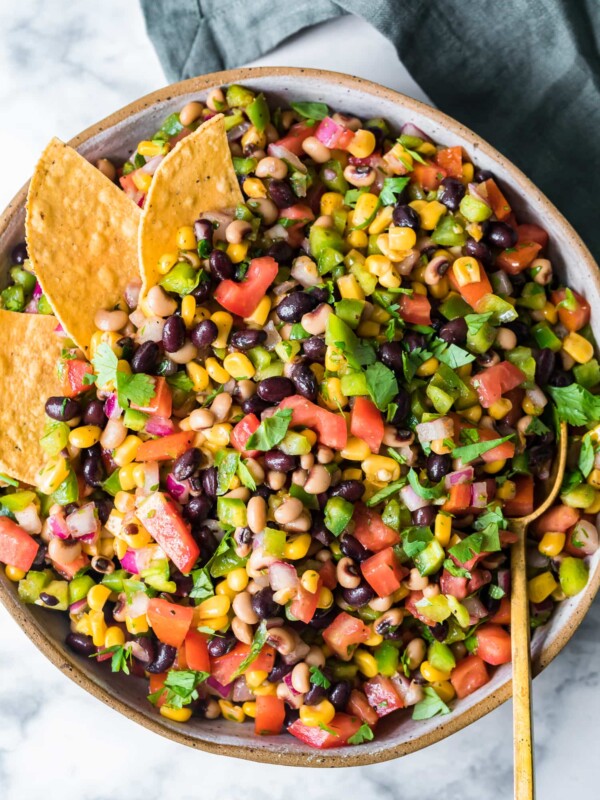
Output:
x=270 y=431
x=391 y=188
x=258 y=642
x=180 y=687
x=575 y=405
x=363 y=734
x=472 y=451
x=430 y=706
x=318 y=678
x=586 y=456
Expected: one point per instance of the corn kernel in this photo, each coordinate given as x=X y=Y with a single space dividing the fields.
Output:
x=550 y=313
x=166 y=262
x=111 y=338
x=219 y=435
x=366 y=663
x=552 y=543
x=472 y=414
x=213 y=607
x=594 y=507
x=52 y=474
x=136 y=625
x=186 y=239
x=14 y=573
x=466 y=270
x=231 y=712
x=175 y=714
x=126 y=478
x=239 y=366
x=297 y=547
x=352 y=475
x=198 y=376
x=325 y=598
x=374 y=639
x=428 y=367
x=382 y=221
x=332 y=394
x=141 y=180
x=443 y=529
x=362 y=144
x=378 y=265
x=507 y=491
x=310 y=580
x=530 y=408
x=374 y=468
x=237 y=579
x=188 y=310
x=265 y=689
x=355 y=450
x=97 y=597
x=494 y=467
x=500 y=408
x=261 y=312
x=114 y=636
x=578 y=348
x=249 y=709
x=254 y=188
x=224 y=321
x=366 y=205
x=440 y=289
x=98 y=627
x=124 y=502
x=432 y=674
x=379 y=314
x=401 y=238
x=330 y=202
x=223 y=588
x=320 y=714
x=541 y=587
x=390 y=280
x=201 y=314
x=237 y=252
x=431 y=214
x=216 y=371
x=444 y=690
x=216 y=623
x=468 y=172
x=254 y=678
x=419 y=288
x=126 y=452
x=85 y=436
x=136 y=540
x=357 y=238
x=440 y=447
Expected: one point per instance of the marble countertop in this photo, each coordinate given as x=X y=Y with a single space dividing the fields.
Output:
x=62 y=67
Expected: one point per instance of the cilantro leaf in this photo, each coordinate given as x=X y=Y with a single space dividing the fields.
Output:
x=180 y=687
x=493 y=516
x=472 y=451
x=485 y=541
x=451 y=354
x=121 y=656
x=318 y=678
x=382 y=384
x=258 y=642
x=536 y=427
x=138 y=389
x=456 y=572
x=245 y=476
x=180 y=381
x=203 y=585
x=411 y=361
x=416 y=156
x=358 y=353
x=105 y=364
x=495 y=592
x=586 y=456
x=392 y=187
x=270 y=431
x=363 y=734
x=386 y=492
x=415 y=540
x=430 y=706
x=328 y=730
x=575 y=405
x=311 y=110
x=476 y=321
x=227 y=468
x=426 y=492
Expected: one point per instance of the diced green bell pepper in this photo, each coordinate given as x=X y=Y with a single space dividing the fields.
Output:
x=226 y=562
x=366 y=281
x=308 y=500
x=430 y=559
x=232 y=511
x=23 y=278
x=13 y=298
x=18 y=501
x=350 y=311
x=573 y=575
x=332 y=175
x=79 y=587
x=286 y=350
x=545 y=337
x=115 y=579
x=481 y=341
x=134 y=419
x=502 y=311
x=244 y=166
x=473 y=209
x=238 y=96
x=353 y=384
x=392 y=515
x=32 y=584
x=273 y=370
x=44 y=306
x=441 y=657
x=588 y=375
x=258 y=112
x=454 y=306
x=59 y=590
x=274 y=542
x=522 y=357
x=387 y=658
x=442 y=401
x=328 y=259
x=533 y=296
x=373 y=248
x=55 y=437
x=338 y=513
x=157 y=576
x=181 y=279
x=581 y=496
x=260 y=357
x=295 y=444
x=449 y=233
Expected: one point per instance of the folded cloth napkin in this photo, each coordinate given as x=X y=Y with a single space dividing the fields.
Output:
x=524 y=75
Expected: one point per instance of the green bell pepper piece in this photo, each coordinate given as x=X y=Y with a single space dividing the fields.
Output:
x=392 y=515
x=232 y=511
x=573 y=575
x=441 y=400
x=533 y=296
x=338 y=513
x=79 y=587
x=135 y=419
x=238 y=96
x=328 y=259
x=274 y=542
x=18 y=501
x=308 y=500
x=295 y=444
x=271 y=371
x=481 y=341
x=387 y=658
x=13 y=298
x=32 y=584
x=449 y=233
x=260 y=357
x=350 y=311
x=44 y=306
x=545 y=337
x=181 y=279
x=286 y=350
x=114 y=581
x=59 y=590
x=473 y=209
x=258 y=112
x=244 y=166
x=225 y=562
x=332 y=175
x=353 y=384
x=454 y=306
x=441 y=657
x=430 y=559
x=502 y=311
x=366 y=281
x=588 y=375
x=24 y=278
x=522 y=358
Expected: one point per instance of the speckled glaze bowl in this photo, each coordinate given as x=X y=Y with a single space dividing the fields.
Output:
x=116 y=136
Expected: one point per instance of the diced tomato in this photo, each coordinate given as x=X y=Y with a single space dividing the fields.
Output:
x=459 y=499
x=242 y=432
x=366 y=422
x=333 y=134
x=479 y=578
x=165 y=448
x=344 y=633
x=450 y=159
x=522 y=503
x=411 y=606
x=557 y=518
x=223 y=668
x=358 y=705
x=169 y=621
x=292 y=141
x=341 y=728
x=517 y=258
x=581 y=540
x=502 y=616
x=469 y=675
x=69 y=570
x=163 y=521
x=243 y=298
x=302 y=213
x=533 y=233
x=503 y=451
x=330 y=427
x=493 y=644
x=304 y=604
x=270 y=713
x=382 y=695
x=428 y=175
x=161 y=404
x=415 y=309
x=157 y=682
x=371 y=531
x=72 y=373
x=572 y=319
x=472 y=292
x=498 y=202
x=327 y=573
x=196 y=651
x=17 y=547
x=449 y=584
x=490 y=384
x=383 y=573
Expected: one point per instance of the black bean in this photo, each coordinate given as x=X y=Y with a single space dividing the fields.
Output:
x=293 y=307
x=281 y=252
x=281 y=462
x=482 y=175
x=39 y=562
x=520 y=330
x=209 y=481
x=319 y=530
x=127 y=346
x=220 y=265
x=204 y=333
x=145 y=357
x=165 y=656
x=207 y=540
x=281 y=193
x=166 y=367
x=243 y=535
x=254 y=405
x=478 y=250
x=145 y=652
x=402 y=401
x=414 y=341
x=203 y=230
x=291 y=715
x=454 y=331
x=406 y=217
x=263 y=604
x=545 y=362
x=518 y=281
x=501 y=235
x=104 y=506
x=280 y=670
x=314 y=695
x=248 y=338
x=94 y=414
x=305 y=381
x=173 y=337
x=184 y=584
x=352 y=548
x=93 y=471
x=275 y=389
x=560 y=379
x=440 y=631
x=359 y=596
x=390 y=353
x=198 y=508
x=339 y=695
x=314 y=349
x=19 y=253
x=203 y=291
x=62 y=408
x=349 y=490
x=438 y=466
x=49 y=599
x=81 y=644
x=264 y=491
x=187 y=463
x=221 y=645
x=451 y=193
x=323 y=617
x=424 y=516
x=491 y=603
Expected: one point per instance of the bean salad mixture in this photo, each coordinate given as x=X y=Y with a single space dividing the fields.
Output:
x=280 y=487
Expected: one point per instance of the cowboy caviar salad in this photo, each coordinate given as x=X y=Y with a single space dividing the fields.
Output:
x=278 y=484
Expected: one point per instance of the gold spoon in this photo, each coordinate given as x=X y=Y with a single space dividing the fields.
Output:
x=519 y=629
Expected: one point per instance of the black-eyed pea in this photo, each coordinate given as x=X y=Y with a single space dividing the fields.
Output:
x=190 y=113
x=318 y=481
x=288 y=511
x=381 y=603
x=216 y=100
x=257 y=514
x=241 y=630
x=282 y=639
x=415 y=653
x=301 y=677
x=242 y=608
x=271 y=167
x=237 y=231
x=275 y=480
x=315 y=657
x=316 y=150
x=315 y=322
x=347 y=573
x=417 y=582
x=160 y=303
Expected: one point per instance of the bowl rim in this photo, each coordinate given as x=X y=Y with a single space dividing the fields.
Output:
x=62 y=658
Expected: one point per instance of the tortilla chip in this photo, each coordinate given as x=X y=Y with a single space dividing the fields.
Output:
x=28 y=356
x=196 y=176
x=81 y=237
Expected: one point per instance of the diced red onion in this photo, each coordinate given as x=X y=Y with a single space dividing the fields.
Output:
x=463 y=475
x=58 y=525
x=409 y=691
x=179 y=490
x=278 y=151
x=129 y=562
x=223 y=690
x=132 y=293
x=540 y=609
x=504 y=581
x=139 y=605
x=329 y=131
x=276 y=232
x=78 y=607
x=83 y=522
x=151 y=166
x=477 y=191
x=535 y=559
x=137 y=318
x=112 y=409
x=288 y=682
x=479 y=496
x=241 y=692
x=60 y=330
x=29 y=519
x=408 y=129
x=442 y=428
x=273 y=337
x=159 y=426
x=586 y=533
x=537 y=397
x=151 y=476
x=411 y=499
x=238 y=131
x=150 y=330
x=222 y=221
x=285 y=287
x=475 y=608
x=282 y=576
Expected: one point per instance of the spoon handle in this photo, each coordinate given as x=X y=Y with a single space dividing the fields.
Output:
x=521 y=666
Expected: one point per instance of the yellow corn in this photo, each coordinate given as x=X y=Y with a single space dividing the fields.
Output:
x=237 y=252
x=443 y=529
x=136 y=540
x=249 y=709
x=444 y=690
x=254 y=188
x=237 y=579
x=213 y=607
x=223 y=320
x=550 y=313
x=151 y=149
x=382 y=221
x=216 y=371
x=126 y=452
x=216 y=623
x=141 y=180
x=362 y=144
x=530 y=408
x=466 y=270
x=552 y=543
x=356 y=449
x=231 y=712
x=419 y=288
x=114 y=636
x=175 y=714
x=265 y=689
x=401 y=238
x=432 y=674
x=136 y=625
x=374 y=639
x=186 y=239
x=97 y=597
x=52 y=474
x=332 y=394
x=440 y=447
x=219 y=435
x=105 y=337
x=352 y=475
x=380 y=315
x=468 y=172
x=507 y=491
x=198 y=376
x=239 y=366
x=297 y=547
x=431 y=214
x=321 y=714
x=82 y=625
x=541 y=587
x=440 y=289
x=578 y=348
x=310 y=580
x=325 y=598
x=374 y=467
x=500 y=408
x=365 y=208
x=14 y=573
x=369 y=329
x=472 y=414
x=390 y=280
x=126 y=478
x=98 y=627
x=334 y=359
x=254 y=678
x=494 y=466
x=166 y=262
x=330 y=202
x=85 y=436
x=201 y=314
x=357 y=238
x=366 y=663
x=124 y=502
x=428 y=367
x=378 y=265
x=261 y=312
x=188 y=310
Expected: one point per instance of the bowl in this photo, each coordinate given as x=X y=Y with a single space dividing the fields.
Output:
x=116 y=136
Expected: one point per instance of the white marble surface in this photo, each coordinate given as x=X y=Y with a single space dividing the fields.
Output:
x=64 y=65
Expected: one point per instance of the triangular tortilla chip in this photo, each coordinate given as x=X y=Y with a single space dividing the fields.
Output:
x=81 y=237
x=28 y=356
x=196 y=176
